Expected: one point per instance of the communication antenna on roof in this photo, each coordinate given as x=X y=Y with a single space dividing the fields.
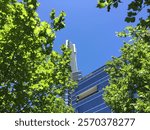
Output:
x=76 y=75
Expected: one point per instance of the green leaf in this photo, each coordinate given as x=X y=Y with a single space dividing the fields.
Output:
x=102 y=4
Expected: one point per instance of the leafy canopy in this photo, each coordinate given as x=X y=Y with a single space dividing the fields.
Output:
x=134 y=8
x=129 y=89
x=129 y=83
x=33 y=77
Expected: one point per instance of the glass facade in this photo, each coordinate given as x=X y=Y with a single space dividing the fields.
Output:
x=87 y=98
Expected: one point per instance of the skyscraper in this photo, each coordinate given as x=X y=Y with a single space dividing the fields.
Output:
x=76 y=74
x=87 y=97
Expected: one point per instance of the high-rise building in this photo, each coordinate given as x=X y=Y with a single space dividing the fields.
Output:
x=87 y=97
x=76 y=74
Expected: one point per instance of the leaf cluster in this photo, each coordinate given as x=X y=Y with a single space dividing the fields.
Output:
x=33 y=77
x=134 y=8
x=129 y=83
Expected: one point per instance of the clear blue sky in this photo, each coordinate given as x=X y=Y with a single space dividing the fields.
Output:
x=91 y=29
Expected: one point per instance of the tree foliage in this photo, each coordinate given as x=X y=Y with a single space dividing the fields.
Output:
x=33 y=77
x=133 y=8
x=129 y=89
x=129 y=83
